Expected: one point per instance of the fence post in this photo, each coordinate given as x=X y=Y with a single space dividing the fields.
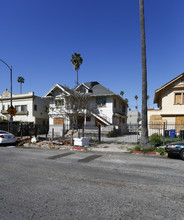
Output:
x=99 y=133
x=63 y=130
x=47 y=131
x=164 y=134
x=137 y=130
x=36 y=130
x=52 y=133
x=21 y=130
x=82 y=130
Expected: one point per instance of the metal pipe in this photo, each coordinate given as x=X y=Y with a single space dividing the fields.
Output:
x=10 y=68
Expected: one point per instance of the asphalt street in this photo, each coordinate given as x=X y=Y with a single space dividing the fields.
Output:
x=58 y=184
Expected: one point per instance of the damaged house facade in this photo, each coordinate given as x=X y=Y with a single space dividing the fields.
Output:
x=103 y=107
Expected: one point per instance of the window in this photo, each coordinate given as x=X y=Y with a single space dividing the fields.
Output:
x=18 y=108
x=23 y=108
x=114 y=103
x=82 y=90
x=59 y=102
x=178 y=99
x=35 y=107
x=101 y=101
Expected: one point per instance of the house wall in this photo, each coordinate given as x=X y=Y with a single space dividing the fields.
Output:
x=26 y=117
x=41 y=112
x=168 y=106
x=105 y=111
x=57 y=112
x=133 y=117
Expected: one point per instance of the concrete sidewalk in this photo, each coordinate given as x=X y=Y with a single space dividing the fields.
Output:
x=112 y=147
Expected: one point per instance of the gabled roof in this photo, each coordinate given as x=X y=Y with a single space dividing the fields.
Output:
x=96 y=88
x=161 y=89
x=49 y=93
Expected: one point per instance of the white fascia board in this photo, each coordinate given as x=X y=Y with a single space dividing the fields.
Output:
x=82 y=84
x=56 y=85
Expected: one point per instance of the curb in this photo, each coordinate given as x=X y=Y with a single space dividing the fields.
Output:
x=140 y=152
x=78 y=148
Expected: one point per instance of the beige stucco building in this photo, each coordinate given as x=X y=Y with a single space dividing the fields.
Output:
x=29 y=108
x=170 y=101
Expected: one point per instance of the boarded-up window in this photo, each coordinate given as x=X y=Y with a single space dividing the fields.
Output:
x=58 y=121
x=179 y=123
x=178 y=99
x=156 y=122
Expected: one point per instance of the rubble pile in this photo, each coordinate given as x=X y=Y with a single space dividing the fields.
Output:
x=34 y=142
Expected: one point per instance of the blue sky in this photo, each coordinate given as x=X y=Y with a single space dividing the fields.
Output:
x=38 y=38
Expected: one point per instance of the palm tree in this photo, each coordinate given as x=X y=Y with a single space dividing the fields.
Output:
x=20 y=80
x=126 y=101
x=122 y=93
x=76 y=62
x=144 y=130
x=136 y=97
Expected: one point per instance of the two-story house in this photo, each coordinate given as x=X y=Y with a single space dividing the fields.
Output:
x=170 y=101
x=30 y=108
x=108 y=108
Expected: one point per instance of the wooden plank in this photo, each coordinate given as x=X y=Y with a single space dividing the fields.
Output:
x=58 y=121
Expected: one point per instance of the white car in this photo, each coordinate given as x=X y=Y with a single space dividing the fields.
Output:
x=6 y=137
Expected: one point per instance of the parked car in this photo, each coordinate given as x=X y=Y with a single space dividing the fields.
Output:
x=6 y=137
x=175 y=149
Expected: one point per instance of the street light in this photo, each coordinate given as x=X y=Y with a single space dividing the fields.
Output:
x=10 y=68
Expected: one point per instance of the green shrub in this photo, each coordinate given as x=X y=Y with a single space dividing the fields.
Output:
x=161 y=151
x=155 y=140
x=149 y=149
x=112 y=134
x=137 y=148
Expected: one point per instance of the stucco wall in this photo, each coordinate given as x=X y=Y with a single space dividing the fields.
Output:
x=168 y=106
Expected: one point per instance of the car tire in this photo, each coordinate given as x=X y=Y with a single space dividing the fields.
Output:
x=182 y=154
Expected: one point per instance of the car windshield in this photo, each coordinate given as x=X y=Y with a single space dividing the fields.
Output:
x=3 y=132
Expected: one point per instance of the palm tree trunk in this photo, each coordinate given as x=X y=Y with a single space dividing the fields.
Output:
x=144 y=130
x=77 y=78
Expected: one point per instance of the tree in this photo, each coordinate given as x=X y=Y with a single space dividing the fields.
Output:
x=76 y=62
x=20 y=80
x=126 y=101
x=122 y=93
x=136 y=98
x=144 y=130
